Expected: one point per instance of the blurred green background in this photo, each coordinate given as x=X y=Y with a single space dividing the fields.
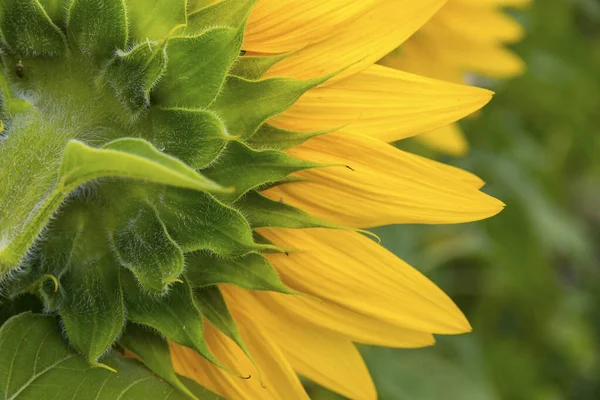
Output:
x=528 y=279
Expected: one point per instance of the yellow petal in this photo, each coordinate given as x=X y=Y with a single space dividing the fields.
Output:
x=357 y=45
x=327 y=358
x=384 y=103
x=386 y=186
x=277 y=26
x=356 y=326
x=450 y=140
x=349 y=269
x=277 y=381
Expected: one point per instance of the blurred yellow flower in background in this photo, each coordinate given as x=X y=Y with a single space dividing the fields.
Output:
x=465 y=36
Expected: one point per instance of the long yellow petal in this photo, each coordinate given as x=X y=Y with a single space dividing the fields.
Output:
x=352 y=270
x=276 y=381
x=356 y=326
x=384 y=103
x=327 y=358
x=382 y=186
x=277 y=26
x=360 y=44
x=450 y=140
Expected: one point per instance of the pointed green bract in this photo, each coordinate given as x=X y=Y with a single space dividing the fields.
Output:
x=243 y=168
x=174 y=315
x=232 y=13
x=144 y=246
x=263 y=212
x=27 y=29
x=133 y=74
x=196 y=137
x=154 y=352
x=270 y=137
x=92 y=309
x=109 y=31
x=154 y=19
x=246 y=104
x=197 y=221
x=212 y=304
x=197 y=67
x=252 y=272
x=254 y=67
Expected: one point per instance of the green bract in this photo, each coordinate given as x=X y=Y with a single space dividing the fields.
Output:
x=132 y=145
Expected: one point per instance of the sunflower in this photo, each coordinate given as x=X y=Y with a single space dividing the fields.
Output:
x=197 y=177
x=465 y=36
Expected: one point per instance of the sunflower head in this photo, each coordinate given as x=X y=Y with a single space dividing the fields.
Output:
x=127 y=144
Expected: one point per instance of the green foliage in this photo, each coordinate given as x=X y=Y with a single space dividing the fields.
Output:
x=39 y=358
x=115 y=118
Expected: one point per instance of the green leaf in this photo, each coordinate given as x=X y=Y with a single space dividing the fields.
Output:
x=245 y=104
x=252 y=271
x=28 y=31
x=143 y=245
x=92 y=306
x=98 y=28
x=254 y=67
x=197 y=67
x=42 y=364
x=231 y=13
x=56 y=10
x=125 y=158
x=133 y=74
x=154 y=19
x=263 y=212
x=197 y=221
x=194 y=136
x=174 y=315
x=243 y=168
x=154 y=352
x=271 y=137
x=211 y=303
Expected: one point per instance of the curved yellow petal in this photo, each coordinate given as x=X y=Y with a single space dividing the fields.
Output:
x=356 y=326
x=449 y=139
x=327 y=358
x=384 y=103
x=349 y=269
x=356 y=46
x=382 y=186
x=277 y=26
x=276 y=381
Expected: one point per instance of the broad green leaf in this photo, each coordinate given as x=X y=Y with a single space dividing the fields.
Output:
x=154 y=19
x=197 y=67
x=270 y=137
x=194 y=136
x=263 y=212
x=125 y=158
x=42 y=365
x=211 y=303
x=174 y=315
x=232 y=13
x=252 y=271
x=243 y=168
x=98 y=28
x=92 y=306
x=254 y=67
x=154 y=352
x=197 y=221
x=144 y=246
x=133 y=74
x=245 y=104
x=27 y=29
